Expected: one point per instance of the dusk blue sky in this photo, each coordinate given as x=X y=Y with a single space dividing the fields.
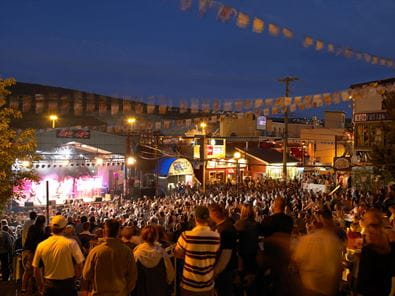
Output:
x=151 y=48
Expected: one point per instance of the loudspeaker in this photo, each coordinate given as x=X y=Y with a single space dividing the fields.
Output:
x=98 y=199
x=28 y=204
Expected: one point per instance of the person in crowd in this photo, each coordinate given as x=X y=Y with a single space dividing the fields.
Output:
x=318 y=258
x=70 y=233
x=110 y=267
x=277 y=229
x=35 y=235
x=61 y=259
x=248 y=235
x=153 y=265
x=5 y=254
x=126 y=237
x=226 y=266
x=27 y=224
x=199 y=248
x=80 y=226
x=85 y=236
x=377 y=259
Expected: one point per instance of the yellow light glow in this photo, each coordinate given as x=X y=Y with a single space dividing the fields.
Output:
x=203 y=125
x=237 y=155
x=131 y=120
x=130 y=160
x=99 y=161
x=53 y=117
x=26 y=163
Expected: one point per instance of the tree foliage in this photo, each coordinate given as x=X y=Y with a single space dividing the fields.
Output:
x=15 y=146
x=383 y=155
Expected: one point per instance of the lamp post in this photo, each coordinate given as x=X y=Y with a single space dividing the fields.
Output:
x=237 y=156
x=53 y=118
x=129 y=158
x=203 y=154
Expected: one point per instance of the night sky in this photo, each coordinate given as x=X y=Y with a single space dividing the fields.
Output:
x=151 y=48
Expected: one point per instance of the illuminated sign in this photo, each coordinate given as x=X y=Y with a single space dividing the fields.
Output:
x=215 y=149
x=180 y=167
x=261 y=123
x=73 y=133
x=374 y=116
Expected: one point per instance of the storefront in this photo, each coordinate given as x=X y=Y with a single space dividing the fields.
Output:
x=172 y=171
x=267 y=163
x=225 y=170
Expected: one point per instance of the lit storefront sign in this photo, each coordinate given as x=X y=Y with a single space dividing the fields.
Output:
x=180 y=167
x=374 y=116
x=215 y=149
x=225 y=164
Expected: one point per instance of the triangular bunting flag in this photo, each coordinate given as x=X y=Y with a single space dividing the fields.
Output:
x=319 y=45
x=225 y=13
x=266 y=111
x=268 y=102
x=327 y=98
x=287 y=33
x=308 y=41
x=258 y=25
x=292 y=108
x=287 y=101
x=258 y=103
x=274 y=29
x=243 y=20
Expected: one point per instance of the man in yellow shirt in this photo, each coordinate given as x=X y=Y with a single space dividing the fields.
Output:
x=62 y=261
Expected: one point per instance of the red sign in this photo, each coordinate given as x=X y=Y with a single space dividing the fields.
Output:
x=73 y=133
x=210 y=150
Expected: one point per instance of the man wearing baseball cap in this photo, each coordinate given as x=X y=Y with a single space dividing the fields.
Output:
x=62 y=261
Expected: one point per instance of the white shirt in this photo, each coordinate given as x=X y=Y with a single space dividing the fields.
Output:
x=57 y=254
x=319 y=256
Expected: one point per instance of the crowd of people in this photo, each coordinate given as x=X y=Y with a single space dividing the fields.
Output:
x=262 y=237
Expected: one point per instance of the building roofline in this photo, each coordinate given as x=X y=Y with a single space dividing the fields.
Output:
x=383 y=81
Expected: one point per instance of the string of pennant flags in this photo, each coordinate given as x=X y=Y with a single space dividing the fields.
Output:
x=215 y=109
x=192 y=110
x=227 y=14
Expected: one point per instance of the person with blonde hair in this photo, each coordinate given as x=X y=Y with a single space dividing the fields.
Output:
x=153 y=265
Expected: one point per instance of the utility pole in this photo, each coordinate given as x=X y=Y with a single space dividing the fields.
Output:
x=287 y=80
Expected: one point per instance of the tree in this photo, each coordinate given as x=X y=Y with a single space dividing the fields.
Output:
x=383 y=154
x=17 y=150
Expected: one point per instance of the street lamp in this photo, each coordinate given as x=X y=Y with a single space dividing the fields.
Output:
x=130 y=161
x=53 y=118
x=203 y=126
x=131 y=120
x=237 y=156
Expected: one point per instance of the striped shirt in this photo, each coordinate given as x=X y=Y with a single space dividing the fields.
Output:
x=200 y=246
